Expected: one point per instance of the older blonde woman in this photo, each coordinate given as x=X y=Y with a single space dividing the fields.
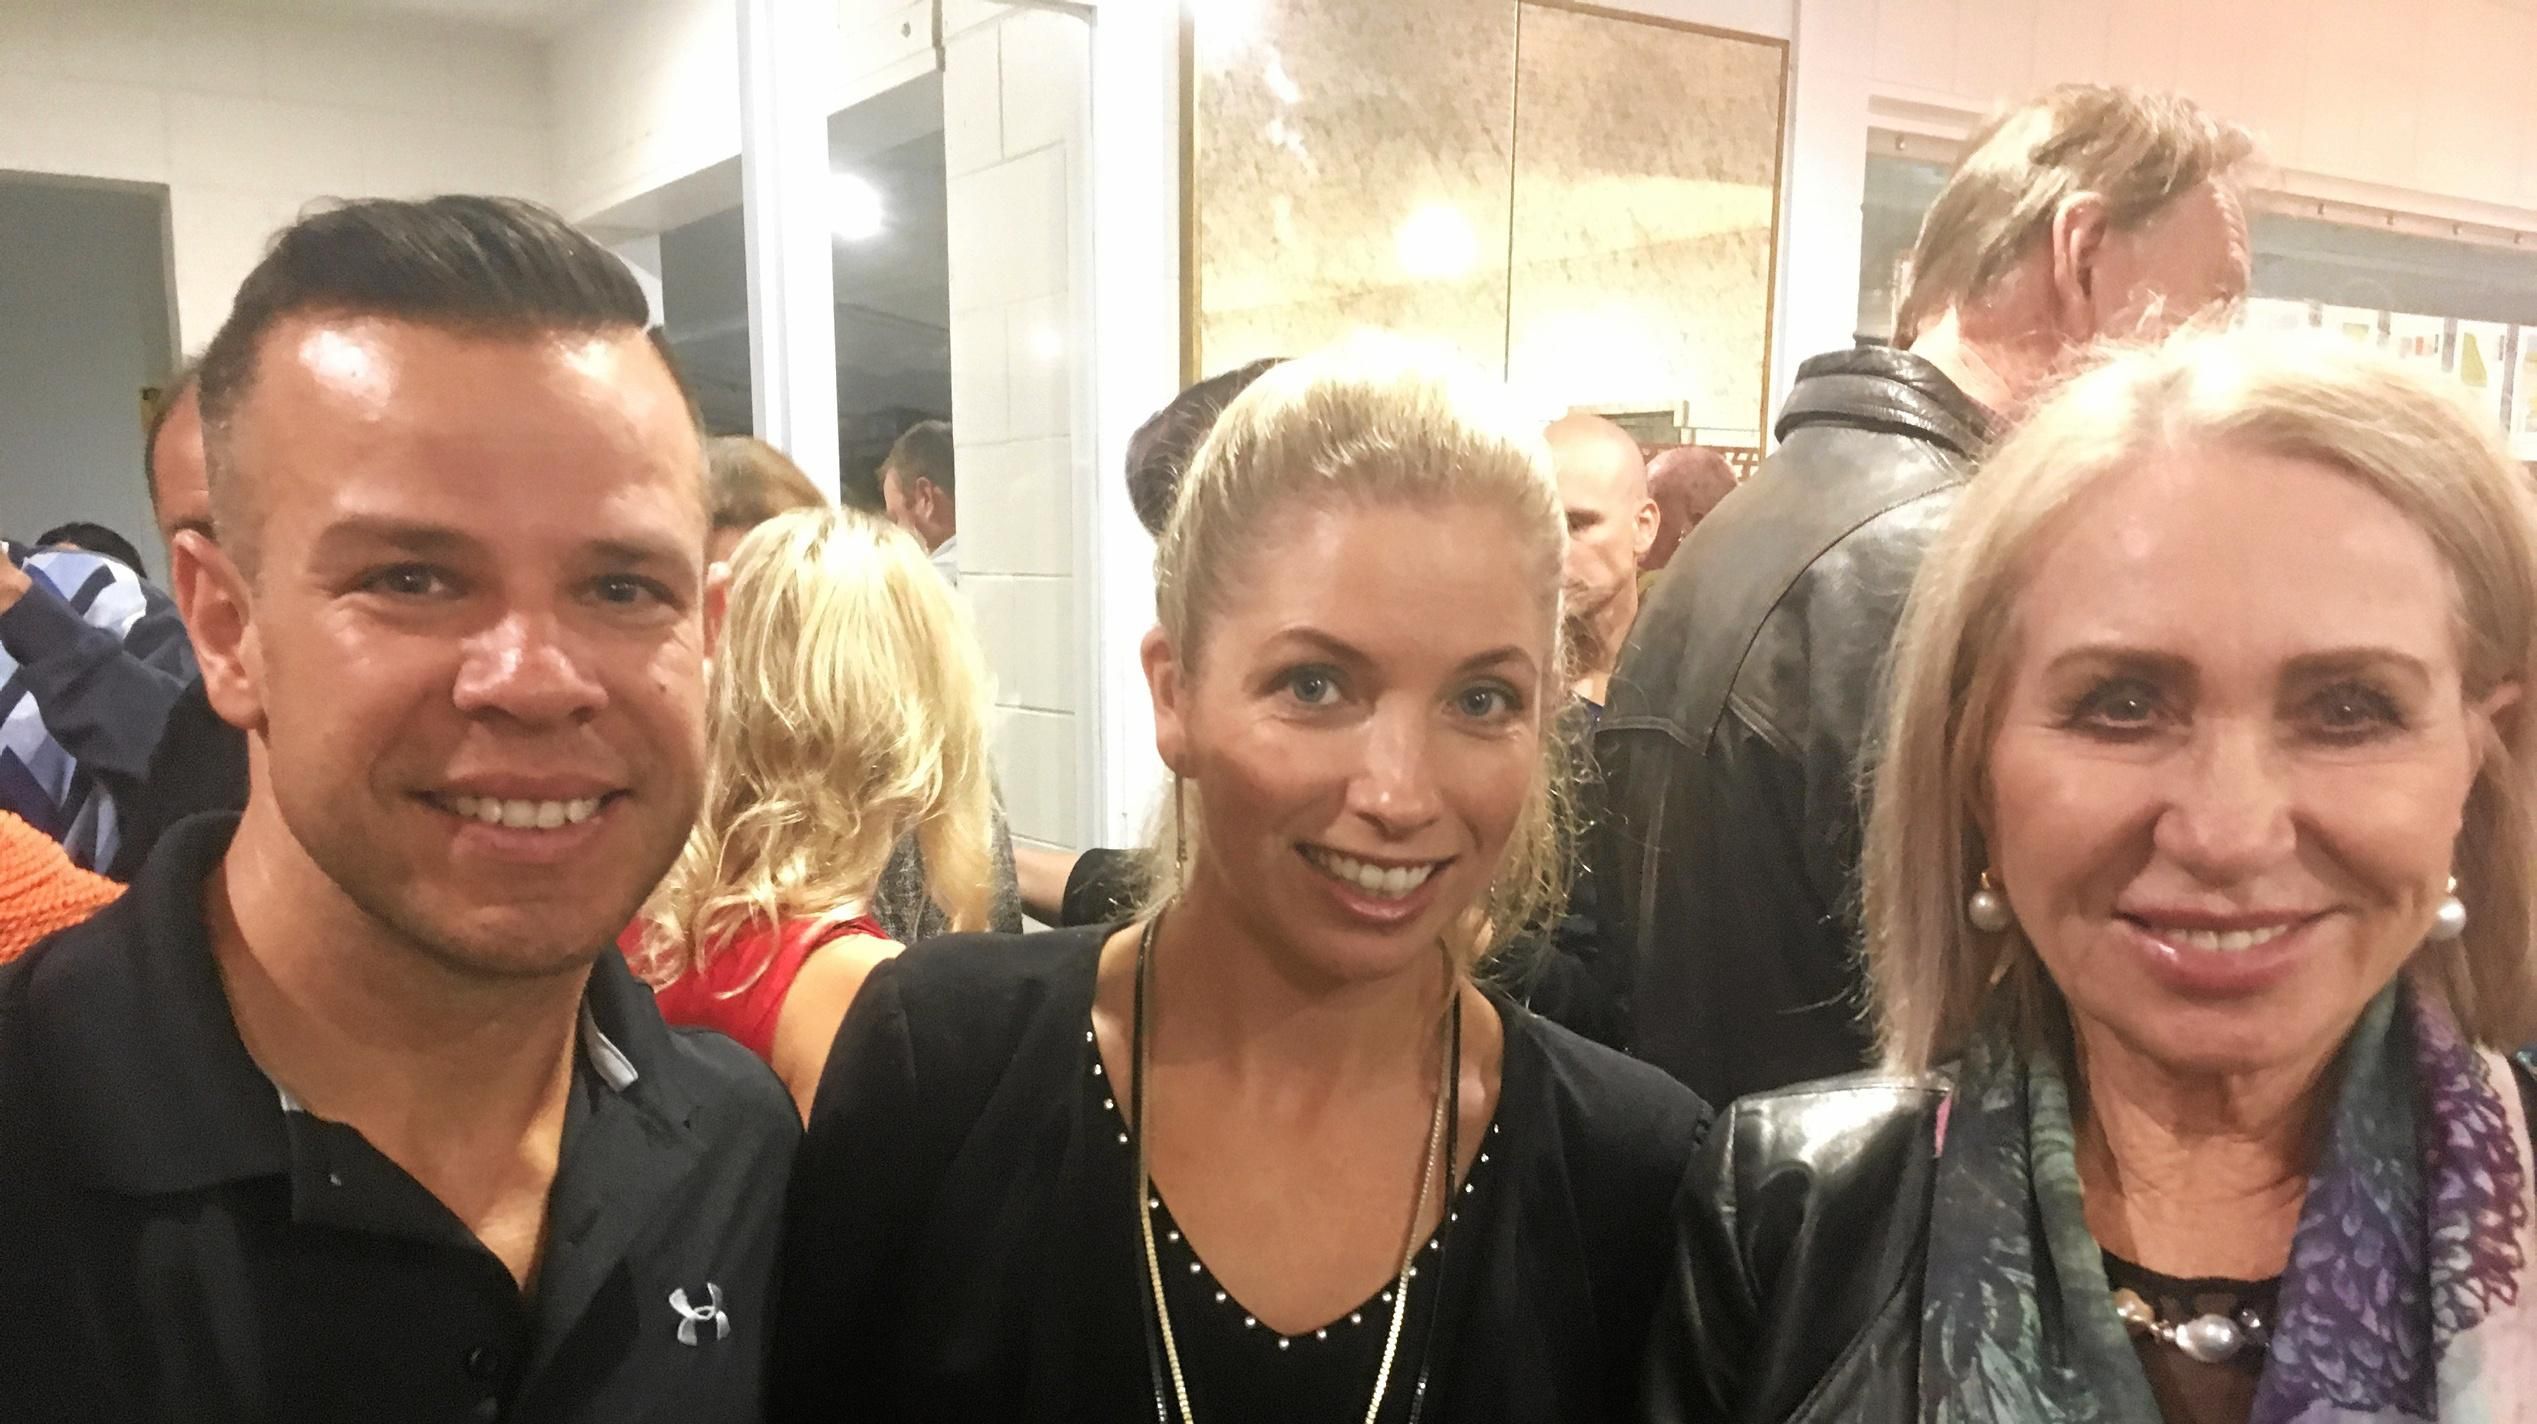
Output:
x=849 y=707
x=2199 y=893
x=1270 y=1152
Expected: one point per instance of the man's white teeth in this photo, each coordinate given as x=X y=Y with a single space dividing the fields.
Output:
x=525 y=815
x=1388 y=882
x=2223 y=941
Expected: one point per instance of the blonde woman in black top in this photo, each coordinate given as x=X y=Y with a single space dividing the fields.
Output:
x=1275 y=1150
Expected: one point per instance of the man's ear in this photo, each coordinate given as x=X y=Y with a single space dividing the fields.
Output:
x=1643 y=534
x=216 y=601
x=1166 y=680
x=2077 y=246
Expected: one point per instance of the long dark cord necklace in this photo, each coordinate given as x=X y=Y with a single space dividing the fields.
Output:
x=1162 y=1351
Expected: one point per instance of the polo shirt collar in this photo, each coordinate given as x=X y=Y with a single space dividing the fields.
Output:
x=615 y=1071
x=160 y=1093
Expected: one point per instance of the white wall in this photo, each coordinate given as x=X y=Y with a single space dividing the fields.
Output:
x=83 y=327
x=2424 y=97
x=1014 y=142
x=646 y=93
x=1823 y=186
x=247 y=116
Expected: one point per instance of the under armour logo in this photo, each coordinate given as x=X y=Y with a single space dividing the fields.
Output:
x=693 y=1316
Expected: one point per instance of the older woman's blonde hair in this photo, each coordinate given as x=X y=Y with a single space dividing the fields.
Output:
x=848 y=710
x=2405 y=437
x=1375 y=421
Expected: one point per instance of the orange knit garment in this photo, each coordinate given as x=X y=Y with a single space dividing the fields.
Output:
x=40 y=890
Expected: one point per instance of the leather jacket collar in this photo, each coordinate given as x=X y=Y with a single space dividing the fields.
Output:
x=1881 y=387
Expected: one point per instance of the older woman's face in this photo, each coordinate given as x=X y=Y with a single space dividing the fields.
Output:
x=1363 y=724
x=2234 y=760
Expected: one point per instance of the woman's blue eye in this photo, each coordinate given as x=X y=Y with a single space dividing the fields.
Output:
x=1312 y=687
x=1487 y=702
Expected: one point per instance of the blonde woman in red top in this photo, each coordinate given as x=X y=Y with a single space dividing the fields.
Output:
x=848 y=711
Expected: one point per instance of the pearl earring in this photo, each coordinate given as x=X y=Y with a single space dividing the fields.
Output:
x=1987 y=908
x=2450 y=920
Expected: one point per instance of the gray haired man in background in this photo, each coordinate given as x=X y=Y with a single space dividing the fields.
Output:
x=1744 y=705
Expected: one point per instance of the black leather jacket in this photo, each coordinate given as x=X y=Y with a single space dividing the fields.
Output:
x=1801 y=1245
x=1802 y=1240
x=1731 y=745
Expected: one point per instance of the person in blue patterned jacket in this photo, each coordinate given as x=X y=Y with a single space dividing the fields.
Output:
x=94 y=666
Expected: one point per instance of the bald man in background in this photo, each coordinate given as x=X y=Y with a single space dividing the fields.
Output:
x=1566 y=976
x=1611 y=525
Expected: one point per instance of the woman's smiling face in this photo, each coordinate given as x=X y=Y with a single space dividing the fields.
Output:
x=1363 y=723
x=2234 y=756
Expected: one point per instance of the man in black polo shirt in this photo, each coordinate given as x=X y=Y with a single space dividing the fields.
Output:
x=348 y=1111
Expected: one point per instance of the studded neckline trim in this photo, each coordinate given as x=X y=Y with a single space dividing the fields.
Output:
x=1182 y=1265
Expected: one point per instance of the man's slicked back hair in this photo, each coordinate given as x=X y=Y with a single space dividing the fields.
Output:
x=923 y=451
x=463 y=263
x=2136 y=150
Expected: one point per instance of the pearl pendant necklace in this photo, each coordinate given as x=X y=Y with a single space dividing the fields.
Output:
x=2211 y=1338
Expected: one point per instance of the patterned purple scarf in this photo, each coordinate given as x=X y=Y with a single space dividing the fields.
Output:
x=2409 y=1292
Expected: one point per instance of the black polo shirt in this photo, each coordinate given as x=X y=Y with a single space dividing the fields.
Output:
x=178 y=1241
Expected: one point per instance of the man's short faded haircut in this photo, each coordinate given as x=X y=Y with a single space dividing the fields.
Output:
x=487 y=266
x=171 y=395
x=923 y=451
x=2138 y=151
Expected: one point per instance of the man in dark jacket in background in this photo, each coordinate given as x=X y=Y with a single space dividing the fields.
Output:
x=1736 y=736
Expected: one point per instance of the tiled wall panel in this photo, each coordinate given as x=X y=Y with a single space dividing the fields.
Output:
x=1014 y=85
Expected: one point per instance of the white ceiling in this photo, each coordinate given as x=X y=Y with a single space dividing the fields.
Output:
x=535 y=17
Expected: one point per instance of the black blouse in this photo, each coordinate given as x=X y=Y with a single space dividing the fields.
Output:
x=962 y=1245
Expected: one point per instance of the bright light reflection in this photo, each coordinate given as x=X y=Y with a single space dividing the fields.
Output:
x=1281 y=85
x=345 y=360
x=1435 y=243
x=1225 y=28
x=855 y=212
